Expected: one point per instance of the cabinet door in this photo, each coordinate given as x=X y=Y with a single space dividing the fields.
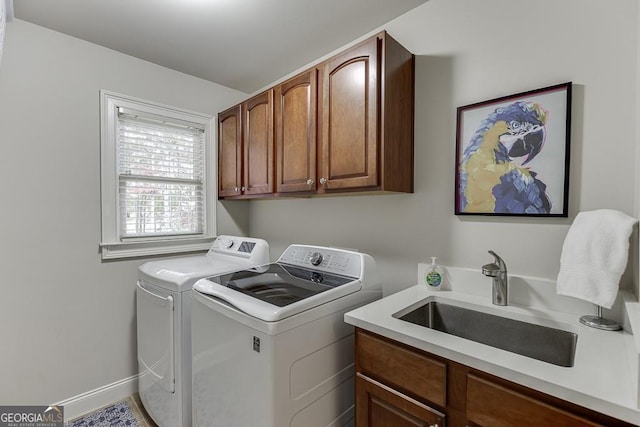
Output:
x=229 y=153
x=295 y=111
x=258 y=144
x=490 y=404
x=412 y=371
x=378 y=405
x=350 y=87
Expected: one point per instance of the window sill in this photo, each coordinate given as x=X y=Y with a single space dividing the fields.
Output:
x=122 y=250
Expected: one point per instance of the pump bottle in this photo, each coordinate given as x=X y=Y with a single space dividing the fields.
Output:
x=433 y=277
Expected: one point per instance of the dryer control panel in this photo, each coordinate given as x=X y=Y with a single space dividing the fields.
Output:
x=330 y=260
x=244 y=247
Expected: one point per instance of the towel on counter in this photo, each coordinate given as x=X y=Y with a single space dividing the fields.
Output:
x=594 y=256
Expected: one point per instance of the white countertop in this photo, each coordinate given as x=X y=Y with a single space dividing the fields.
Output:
x=604 y=377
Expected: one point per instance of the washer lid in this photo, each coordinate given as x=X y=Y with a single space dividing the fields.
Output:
x=277 y=291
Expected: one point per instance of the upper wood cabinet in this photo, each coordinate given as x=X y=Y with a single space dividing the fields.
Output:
x=345 y=125
x=245 y=148
x=257 y=115
x=349 y=144
x=367 y=118
x=230 y=152
x=295 y=116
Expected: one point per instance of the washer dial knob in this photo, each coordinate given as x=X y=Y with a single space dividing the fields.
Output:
x=316 y=258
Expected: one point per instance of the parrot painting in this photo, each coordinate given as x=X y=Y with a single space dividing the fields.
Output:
x=492 y=172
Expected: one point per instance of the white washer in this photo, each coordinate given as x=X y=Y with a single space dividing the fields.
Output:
x=270 y=346
x=163 y=299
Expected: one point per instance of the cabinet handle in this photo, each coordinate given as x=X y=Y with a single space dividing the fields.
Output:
x=244 y=188
x=323 y=181
x=236 y=189
x=309 y=182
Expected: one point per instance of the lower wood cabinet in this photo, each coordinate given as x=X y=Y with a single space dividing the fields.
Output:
x=414 y=374
x=398 y=385
x=378 y=405
x=491 y=404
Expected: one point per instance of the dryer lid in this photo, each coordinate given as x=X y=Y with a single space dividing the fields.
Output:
x=180 y=274
x=227 y=253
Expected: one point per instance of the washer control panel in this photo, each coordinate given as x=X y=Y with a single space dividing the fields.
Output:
x=330 y=260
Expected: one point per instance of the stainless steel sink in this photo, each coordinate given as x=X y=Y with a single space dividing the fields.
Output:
x=536 y=341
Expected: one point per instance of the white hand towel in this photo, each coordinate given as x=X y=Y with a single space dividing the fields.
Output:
x=594 y=256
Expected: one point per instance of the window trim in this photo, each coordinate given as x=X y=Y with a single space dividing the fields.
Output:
x=111 y=245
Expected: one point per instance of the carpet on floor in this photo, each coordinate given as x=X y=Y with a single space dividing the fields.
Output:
x=116 y=415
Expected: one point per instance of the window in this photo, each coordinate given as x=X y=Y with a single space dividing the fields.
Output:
x=157 y=178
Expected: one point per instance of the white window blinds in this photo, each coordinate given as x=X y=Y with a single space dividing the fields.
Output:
x=160 y=168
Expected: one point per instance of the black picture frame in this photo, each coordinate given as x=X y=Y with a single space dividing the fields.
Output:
x=512 y=154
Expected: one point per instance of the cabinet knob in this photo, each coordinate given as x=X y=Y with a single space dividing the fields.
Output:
x=323 y=181
x=244 y=188
x=309 y=182
x=236 y=189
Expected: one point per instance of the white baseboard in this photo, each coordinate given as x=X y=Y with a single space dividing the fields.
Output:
x=99 y=397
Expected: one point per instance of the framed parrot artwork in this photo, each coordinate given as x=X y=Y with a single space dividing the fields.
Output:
x=512 y=154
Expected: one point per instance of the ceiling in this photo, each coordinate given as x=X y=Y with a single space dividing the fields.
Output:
x=241 y=44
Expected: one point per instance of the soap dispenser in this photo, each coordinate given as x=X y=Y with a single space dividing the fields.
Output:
x=433 y=277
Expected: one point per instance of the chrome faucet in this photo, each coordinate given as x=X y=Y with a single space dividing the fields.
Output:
x=497 y=270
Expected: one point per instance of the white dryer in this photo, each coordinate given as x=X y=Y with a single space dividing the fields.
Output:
x=163 y=300
x=270 y=346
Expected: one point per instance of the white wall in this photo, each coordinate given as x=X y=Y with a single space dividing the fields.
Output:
x=470 y=51
x=67 y=322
